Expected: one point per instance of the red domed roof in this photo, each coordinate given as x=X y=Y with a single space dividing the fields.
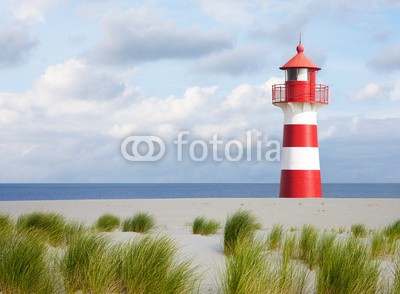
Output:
x=300 y=61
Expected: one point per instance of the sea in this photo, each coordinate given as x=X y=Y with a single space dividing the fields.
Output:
x=16 y=192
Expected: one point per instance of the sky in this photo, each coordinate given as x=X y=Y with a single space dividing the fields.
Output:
x=77 y=78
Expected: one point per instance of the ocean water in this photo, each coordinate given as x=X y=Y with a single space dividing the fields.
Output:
x=162 y=191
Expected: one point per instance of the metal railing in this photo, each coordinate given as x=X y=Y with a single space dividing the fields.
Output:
x=321 y=94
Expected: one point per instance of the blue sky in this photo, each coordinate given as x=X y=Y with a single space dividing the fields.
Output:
x=78 y=77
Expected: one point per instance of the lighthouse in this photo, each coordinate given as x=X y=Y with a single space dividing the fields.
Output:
x=300 y=98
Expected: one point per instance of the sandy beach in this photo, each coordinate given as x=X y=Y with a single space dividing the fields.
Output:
x=174 y=217
x=174 y=214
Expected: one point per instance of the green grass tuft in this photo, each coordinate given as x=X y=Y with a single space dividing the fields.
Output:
x=379 y=245
x=202 y=226
x=347 y=268
x=392 y=231
x=289 y=248
x=151 y=265
x=308 y=245
x=90 y=265
x=73 y=230
x=275 y=237
x=49 y=225
x=325 y=244
x=239 y=227
x=107 y=223
x=359 y=231
x=250 y=269
x=6 y=224
x=141 y=222
x=24 y=265
x=246 y=270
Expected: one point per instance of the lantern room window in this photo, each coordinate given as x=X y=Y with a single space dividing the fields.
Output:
x=297 y=74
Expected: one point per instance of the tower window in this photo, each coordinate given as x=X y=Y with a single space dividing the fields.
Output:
x=297 y=74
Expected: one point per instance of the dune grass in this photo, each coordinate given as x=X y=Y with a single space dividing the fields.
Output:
x=359 y=230
x=107 y=223
x=250 y=269
x=275 y=237
x=289 y=248
x=395 y=287
x=392 y=233
x=141 y=222
x=202 y=226
x=24 y=265
x=246 y=270
x=347 y=267
x=90 y=265
x=308 y=245
x=73 y=230
x=6 y=224
x=380 y=247
x=239 y=227
x=5 y=221
x=325 y=244
x=49 y=225
x=152 y=265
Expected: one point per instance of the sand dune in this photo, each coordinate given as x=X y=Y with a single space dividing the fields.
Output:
x=175 y=215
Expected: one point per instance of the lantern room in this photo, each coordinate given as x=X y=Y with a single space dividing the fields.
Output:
x=300 y=73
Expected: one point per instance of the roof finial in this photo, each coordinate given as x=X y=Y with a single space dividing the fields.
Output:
x=300 y=48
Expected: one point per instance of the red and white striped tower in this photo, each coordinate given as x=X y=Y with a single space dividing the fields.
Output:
x=300 y=98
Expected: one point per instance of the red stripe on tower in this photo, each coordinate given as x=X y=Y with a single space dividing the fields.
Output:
x=300 y=136
x=300 y=99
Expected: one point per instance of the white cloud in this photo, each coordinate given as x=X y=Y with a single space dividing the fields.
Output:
x=75 y=79
x=378 y=90
x=251 y=97
x=142 y=35
x=147 y=114
x=33 y=9
x=237 y=11
x=236 y=61
x=370 y=91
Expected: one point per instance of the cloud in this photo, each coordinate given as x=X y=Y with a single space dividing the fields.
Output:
x=238 y=11
x=386 y=60
x=140 y=35
x=75 y=79
x=370 y=91
x=361 y=149
x=251 y=97
x=236 y=61
x=281 y=21
x=154 y=114
x=33 y=9
x=16 y=45
x=378 y=90
x=79 y=128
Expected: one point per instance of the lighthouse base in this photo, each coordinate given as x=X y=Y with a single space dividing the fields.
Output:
x=300 y=184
